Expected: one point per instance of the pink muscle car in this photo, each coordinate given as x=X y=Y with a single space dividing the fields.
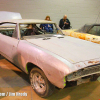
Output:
x=50 y=58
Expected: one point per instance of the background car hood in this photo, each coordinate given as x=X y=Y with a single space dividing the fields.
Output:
x=72 y=49
x=69 y=30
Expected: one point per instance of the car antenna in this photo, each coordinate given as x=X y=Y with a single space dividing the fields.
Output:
x=97 y=17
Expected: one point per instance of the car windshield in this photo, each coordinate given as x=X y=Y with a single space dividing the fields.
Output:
x=95 y=30
x=39 y=29
x=84 y=29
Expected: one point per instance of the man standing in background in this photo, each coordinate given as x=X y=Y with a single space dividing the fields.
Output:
x=64 y=23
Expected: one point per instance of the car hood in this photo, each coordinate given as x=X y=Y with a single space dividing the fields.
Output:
x=72 y=49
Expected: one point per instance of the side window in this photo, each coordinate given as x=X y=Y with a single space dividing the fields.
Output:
x=14 y=35
x=98 y=30
x=95 y=30
x=23 y=28
x=7 y=29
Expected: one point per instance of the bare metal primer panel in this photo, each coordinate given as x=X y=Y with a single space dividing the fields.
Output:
x=72 y=49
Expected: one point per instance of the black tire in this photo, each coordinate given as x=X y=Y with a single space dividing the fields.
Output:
x=0 y=56
x=40 y=83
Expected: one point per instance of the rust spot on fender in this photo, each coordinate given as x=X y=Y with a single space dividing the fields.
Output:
x=94 y=62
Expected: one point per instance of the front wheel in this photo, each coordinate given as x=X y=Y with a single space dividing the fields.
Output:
x=0 y=56
x=40 y=83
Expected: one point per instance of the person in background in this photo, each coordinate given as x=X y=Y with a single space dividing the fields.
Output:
x=47 y=27
x=29 y=30
x=64 y=23
x=32 y=29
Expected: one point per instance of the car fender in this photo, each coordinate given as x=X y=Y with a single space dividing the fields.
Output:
x=54 y=69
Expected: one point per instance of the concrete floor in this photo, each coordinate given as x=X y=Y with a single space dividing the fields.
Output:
x=14 y=80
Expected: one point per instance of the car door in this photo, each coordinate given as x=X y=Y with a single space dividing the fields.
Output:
x=8 y=45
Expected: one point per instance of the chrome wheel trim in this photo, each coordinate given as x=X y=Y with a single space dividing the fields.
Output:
x=38 y=83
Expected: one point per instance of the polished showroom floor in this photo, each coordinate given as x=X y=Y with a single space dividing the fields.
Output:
x=13 y=80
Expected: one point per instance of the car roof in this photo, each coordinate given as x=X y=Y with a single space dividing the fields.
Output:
x=86 y=27
x=92 y=24
x=23 y=21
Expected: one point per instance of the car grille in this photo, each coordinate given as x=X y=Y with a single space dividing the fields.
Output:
x=90 y=70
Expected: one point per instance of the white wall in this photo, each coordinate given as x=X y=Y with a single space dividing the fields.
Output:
x=79 y=12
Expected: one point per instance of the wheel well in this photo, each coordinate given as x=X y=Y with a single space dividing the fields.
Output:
x=29 y=66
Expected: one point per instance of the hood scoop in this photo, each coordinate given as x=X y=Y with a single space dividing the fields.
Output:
x=60 y=37
x=46 y=38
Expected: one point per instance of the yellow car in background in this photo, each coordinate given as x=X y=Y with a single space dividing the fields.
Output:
x=89 y=32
